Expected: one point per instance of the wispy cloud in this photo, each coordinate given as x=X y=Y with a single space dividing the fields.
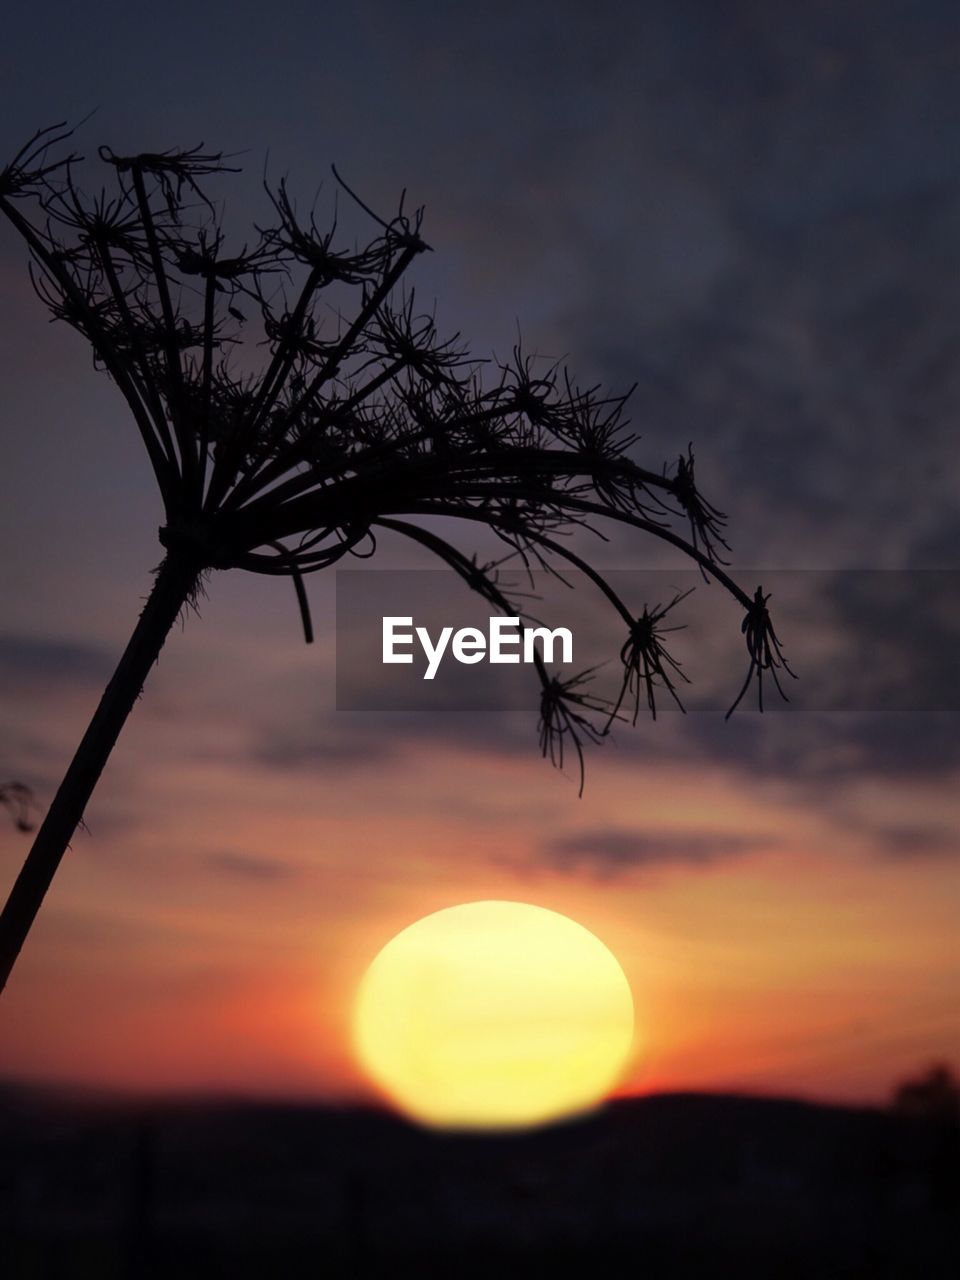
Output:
x=917 y=840
x=249 y=866
x=41 y=660
x=609 y=852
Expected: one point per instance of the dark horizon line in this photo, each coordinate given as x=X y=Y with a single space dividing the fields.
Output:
x=120 y=1098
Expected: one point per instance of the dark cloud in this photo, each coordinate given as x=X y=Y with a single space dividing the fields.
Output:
x=917 y=841
x=39 y=660
x=612 y=851
x=248 y=866
x=896 y=639
x=804 y=333
x=817 y=752
x=938 y=547
x=829 y=355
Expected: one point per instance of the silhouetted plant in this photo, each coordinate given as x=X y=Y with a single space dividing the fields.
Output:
x=356 y=417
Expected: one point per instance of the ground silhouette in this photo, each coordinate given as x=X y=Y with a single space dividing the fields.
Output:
x=671 y=1186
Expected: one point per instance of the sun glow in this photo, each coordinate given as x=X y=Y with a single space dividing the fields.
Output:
x=494 y=1015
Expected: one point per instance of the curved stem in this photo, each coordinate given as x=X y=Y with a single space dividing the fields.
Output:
x=175 y=582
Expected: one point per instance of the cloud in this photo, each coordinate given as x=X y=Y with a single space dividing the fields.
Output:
x=248 y=866
x=817 y=752
x=938 y=547
x=613 y=851
x=39 y=660
x=324 y=748
x=917 y=840
x=897 y=635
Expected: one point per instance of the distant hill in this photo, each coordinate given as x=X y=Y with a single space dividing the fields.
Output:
x=673 y=1186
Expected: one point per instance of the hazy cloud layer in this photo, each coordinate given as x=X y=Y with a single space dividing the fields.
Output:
x=606 y=853
x=920 y=840
x=248 y=866
x=30 y=660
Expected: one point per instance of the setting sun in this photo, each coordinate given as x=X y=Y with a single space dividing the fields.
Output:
x=494 y=1015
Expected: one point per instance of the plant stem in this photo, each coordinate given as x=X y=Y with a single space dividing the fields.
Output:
x=175 y=582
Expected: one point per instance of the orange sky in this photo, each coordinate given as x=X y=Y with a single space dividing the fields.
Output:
x=217 y=945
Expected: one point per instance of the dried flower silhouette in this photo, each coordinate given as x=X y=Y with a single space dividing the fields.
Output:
x=294 y=401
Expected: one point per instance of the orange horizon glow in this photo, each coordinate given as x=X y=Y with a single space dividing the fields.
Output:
x=781 y=971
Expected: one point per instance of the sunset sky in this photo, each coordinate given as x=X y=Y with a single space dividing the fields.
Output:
x=754 y=216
